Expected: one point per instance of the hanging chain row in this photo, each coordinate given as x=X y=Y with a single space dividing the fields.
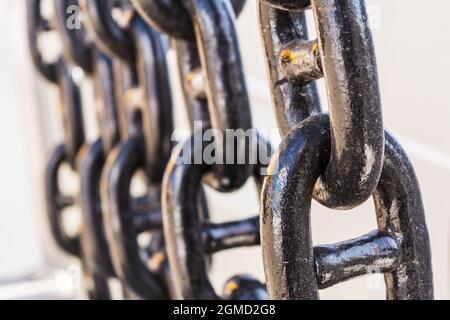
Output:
x=340 y=159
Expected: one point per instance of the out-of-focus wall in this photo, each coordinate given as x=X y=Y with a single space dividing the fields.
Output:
x=412 y=52
x=20 y=143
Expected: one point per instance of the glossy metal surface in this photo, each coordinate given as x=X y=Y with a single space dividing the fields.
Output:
x=56 y=202
x=96 y=257
x=37 y=25
x=378 y=251
x=146 y=125
x=147 y=95
x=60 y=74
x=110 y=36
x=289 y=4
x=70 y=111
x=190 y=68
x=156 y=106
x=172 y=18
x=244 y=287
x=107 y=107
x=293 y=101
x=228 y=100
x=189 y=236
x=120 y=212
x=351 y=77
x=221 y=67
x=347 y=60
x=400 y=248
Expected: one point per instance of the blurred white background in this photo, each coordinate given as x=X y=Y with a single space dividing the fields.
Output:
x=412 y=53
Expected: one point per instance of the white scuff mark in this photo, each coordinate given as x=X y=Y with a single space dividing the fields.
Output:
x=370 y=160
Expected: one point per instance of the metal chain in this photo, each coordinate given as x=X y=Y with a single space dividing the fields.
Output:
x=340 y=159
x=90 y=245
x=146 y=117
x=223 y=104
x=59 y=73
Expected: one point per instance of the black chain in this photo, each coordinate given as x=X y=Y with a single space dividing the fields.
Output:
x=190 y=237
x=336 y=158
x=339 y=159
x=60 y=74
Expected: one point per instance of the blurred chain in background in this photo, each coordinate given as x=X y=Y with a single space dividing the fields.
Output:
x=138 y=121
